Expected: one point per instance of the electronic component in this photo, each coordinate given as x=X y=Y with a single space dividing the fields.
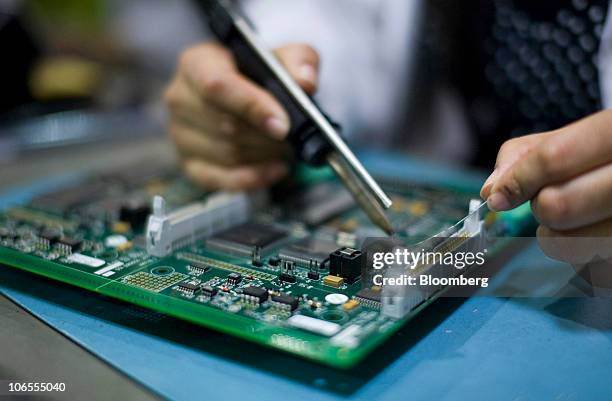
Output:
x=333 y=281
x=243 y=239
x=467 y=235
x=121 y=227
x=256 y=256
x=314 y=325
x=71 y=243
x=135 y=212
x=50 y=236
x=85 y=260
x=285 y=299
x=313 y=275
x=320 y=203
x=349 y=337
x=287 y=272
x=369 y=295
x=208 y=291
x=234 y=278
x=258 y=293
x=346 y=263
x=197 y=268
x=115 y=241
x=308 y=250
x=169 y=231
x=350 y=305
x=336 y=299
x=188 y=287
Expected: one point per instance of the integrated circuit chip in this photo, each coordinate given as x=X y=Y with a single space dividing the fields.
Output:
x=307 y=250
x=241 y=240
x=258 y=293
x=284 y=299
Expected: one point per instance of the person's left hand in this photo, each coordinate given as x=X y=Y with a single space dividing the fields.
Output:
x=567 y=175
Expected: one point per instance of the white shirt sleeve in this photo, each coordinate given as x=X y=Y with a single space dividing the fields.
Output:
x=364 y=46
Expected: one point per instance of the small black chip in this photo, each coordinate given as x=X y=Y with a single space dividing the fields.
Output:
x=188 y=287
x=313 y=275
x=50 y=235
x=287 y=278
x=72 y=243
x=369 y=294
x=274 y=261
x=257 y=292
x=286 y=300
x=234 y=278
x=241 y=240
x=209 y=291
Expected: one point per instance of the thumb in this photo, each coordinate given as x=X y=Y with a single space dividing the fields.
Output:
x=302 y=62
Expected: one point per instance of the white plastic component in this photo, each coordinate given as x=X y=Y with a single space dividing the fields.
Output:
x=397 y=301
x=169 y=231
x=472 y=222
x=348 y=337
x=108 y=269
x=336 y=299
x=314 y=325
x=115 y=241
x=85 y=260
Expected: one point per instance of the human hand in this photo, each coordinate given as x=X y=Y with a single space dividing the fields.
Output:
x=567 y=175
x=229 y=132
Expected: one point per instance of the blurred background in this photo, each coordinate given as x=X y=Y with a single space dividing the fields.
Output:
x=76 y=71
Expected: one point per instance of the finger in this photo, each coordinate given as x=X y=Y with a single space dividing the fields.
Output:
x=192 y=143
x=581 y=201
x=570 y=151
x=579 y=246
x=214 y=177
x=510 y=151
x=302 y=62
x=210 y=74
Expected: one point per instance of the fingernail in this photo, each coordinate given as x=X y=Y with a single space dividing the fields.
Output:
x=308 y=73
x=277 y=127
x=488 y=183
x=498 y=202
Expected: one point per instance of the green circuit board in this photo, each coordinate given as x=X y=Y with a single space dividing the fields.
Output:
x=266 y=279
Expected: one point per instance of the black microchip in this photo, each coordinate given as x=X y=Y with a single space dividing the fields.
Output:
x=288 y=278
x=313 y=275
x=188 y=286
x=274 y=261
x=198 y=268
x=308 y=250
x=234 y=278
x=72 y=243
x=286 y=300
x=135 y=212
x=260 y=293
x=50 y=235
x=243 y=238
x=209 y=291
x=369 y=294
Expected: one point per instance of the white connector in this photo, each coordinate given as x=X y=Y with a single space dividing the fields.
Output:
x=167 y=232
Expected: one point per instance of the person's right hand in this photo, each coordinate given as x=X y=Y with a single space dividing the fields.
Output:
x=230 y=132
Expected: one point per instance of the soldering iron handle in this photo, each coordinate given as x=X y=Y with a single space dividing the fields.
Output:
x=304 y=135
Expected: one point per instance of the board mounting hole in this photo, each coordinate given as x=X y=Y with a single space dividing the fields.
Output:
x=162 y=270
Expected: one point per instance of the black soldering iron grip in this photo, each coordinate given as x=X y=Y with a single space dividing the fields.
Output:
x=307 y=140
